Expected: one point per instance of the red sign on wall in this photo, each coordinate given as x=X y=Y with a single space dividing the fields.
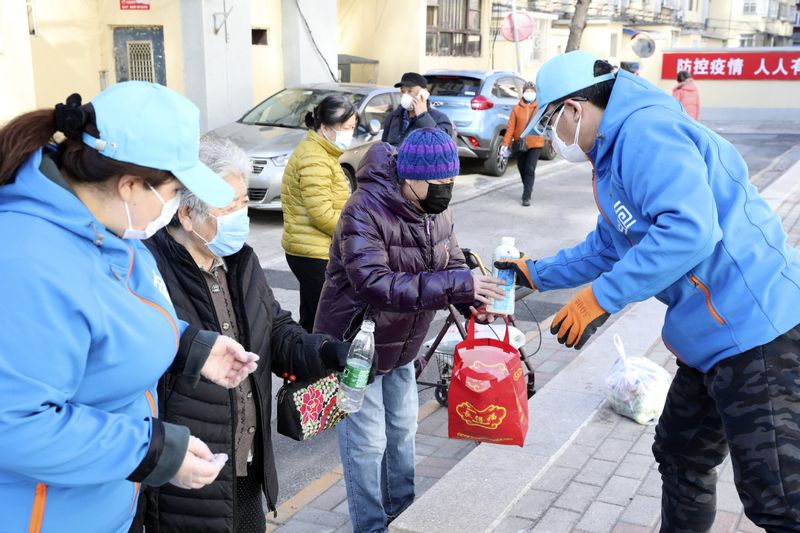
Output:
x=734 y=65
x=135 y=5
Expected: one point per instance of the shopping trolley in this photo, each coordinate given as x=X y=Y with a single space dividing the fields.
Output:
x=444 y=352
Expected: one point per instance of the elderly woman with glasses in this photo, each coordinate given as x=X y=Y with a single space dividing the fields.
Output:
x=215 y=281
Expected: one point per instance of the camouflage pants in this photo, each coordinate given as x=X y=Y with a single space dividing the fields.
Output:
x=749 y=405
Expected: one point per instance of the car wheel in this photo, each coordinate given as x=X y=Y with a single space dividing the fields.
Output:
x=496 y=164
x=547 y=152
x=351 y=177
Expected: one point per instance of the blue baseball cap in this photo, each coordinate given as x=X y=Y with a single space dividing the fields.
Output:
x=562 y=76
x=151 y=126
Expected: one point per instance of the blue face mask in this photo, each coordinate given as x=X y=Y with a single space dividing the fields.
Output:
x=232 y=232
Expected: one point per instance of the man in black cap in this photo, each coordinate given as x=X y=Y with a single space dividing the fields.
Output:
x=414 y=111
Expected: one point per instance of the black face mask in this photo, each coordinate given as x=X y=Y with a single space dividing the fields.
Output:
x=439 y=195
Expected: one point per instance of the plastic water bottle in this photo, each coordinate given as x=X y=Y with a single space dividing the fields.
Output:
x=506 y=250
x=353 y=383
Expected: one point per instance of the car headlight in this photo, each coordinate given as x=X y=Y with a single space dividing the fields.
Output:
x=281 y=160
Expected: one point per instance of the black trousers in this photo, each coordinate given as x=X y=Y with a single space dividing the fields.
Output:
x=526 y=163
x=250 y=517
x=749 y=405
x=310 y=273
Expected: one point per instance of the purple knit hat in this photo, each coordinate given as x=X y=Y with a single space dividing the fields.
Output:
x=427 y=154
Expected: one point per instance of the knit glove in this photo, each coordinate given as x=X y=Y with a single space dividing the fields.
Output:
x=521 y=267
x=334 y=355
x=579 y=319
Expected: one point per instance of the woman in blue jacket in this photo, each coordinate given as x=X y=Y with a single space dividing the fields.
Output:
x=680 y=221
x=86 y=324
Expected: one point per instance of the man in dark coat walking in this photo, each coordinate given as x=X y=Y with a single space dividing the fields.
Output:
x=414 y=111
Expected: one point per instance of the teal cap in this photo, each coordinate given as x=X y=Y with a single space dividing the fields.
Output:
x=151 y=126
x=562 y=76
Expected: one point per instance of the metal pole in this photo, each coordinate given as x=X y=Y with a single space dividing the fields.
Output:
x=516 y=38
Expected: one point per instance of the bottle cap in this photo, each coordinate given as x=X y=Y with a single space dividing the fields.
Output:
x=507 y=241
x=368 y=326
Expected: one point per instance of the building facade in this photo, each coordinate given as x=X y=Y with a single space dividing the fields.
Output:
x=224 y=55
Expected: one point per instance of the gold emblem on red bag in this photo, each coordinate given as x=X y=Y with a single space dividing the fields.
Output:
x=517 y=374
x=499 y=370
x=488 y=418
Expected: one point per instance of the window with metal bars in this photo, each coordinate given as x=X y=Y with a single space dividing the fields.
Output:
x=453 y=28
x=140 y=61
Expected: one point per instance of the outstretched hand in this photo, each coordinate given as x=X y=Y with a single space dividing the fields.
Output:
x=228 y=364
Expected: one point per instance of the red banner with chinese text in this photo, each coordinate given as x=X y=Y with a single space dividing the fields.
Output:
x=134 y=5
x=735 y=65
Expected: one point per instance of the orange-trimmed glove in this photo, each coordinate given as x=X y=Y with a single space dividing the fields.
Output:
x=579 y=319
x=520 y=266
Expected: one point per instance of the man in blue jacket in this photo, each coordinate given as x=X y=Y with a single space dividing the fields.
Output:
x=680 y=221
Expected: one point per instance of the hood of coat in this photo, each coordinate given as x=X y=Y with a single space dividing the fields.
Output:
x=35 y=194
x=377 y=178
x=630 y=94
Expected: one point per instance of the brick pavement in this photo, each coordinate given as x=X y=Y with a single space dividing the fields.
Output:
x=321 y=507
x=607 y=481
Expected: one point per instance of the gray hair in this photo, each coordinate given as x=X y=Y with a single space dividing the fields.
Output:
x=222 y=156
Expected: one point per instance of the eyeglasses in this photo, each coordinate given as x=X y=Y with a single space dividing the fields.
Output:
x=544 y=126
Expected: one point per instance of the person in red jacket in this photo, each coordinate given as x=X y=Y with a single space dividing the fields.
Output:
x=686 y=93
x=527 y=153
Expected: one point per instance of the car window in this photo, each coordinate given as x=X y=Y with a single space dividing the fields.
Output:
x=519 y=83
x=453 y=85
x=288 y=108
x=505 y=88
x=378 y=108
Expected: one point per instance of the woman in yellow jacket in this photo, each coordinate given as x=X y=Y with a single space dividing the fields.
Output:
x=528 y=155
x=313 y=192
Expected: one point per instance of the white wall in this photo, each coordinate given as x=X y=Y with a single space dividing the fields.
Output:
x=217 y=74
x=301 y=61
x=17 y=91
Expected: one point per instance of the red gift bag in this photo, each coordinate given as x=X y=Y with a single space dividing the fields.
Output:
x=488 y=401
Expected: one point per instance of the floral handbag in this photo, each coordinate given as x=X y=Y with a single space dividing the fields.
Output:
x=305 y=409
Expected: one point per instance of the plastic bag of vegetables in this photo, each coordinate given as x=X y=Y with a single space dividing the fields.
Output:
x=637 y=387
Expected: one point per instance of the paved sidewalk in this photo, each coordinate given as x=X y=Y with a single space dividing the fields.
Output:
x=607 y=481
x=603 y=480
x=322 y=506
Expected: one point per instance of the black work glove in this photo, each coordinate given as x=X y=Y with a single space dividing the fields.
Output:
x=520 y=266
x=334 y=354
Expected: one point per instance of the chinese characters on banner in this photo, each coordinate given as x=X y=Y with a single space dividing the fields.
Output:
x=738 y=65
x=134 y=5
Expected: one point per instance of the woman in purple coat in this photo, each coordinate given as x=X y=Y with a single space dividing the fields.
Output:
x=394 y=257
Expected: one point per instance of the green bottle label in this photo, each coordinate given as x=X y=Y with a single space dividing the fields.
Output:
x=355 y=378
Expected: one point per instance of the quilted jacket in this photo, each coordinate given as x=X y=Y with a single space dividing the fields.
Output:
x=391 y=260
x=313 y=192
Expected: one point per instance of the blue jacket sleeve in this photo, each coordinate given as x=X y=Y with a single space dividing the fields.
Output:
x=44 y=435
x=577 y=265
x=666 y=178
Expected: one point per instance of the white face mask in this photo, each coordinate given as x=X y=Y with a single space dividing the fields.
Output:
x=406 y=101
x=572 y=152
x=168 y=211
x=529 y=96
x=342 y=139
